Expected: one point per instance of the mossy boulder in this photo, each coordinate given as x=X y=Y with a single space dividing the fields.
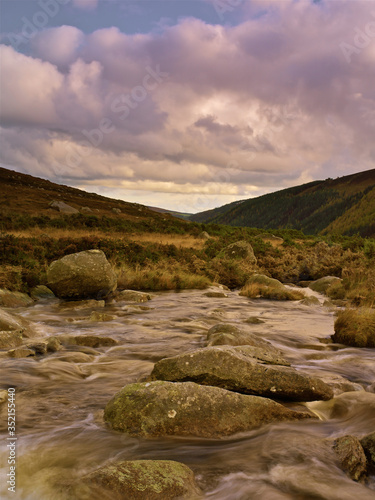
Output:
x=140 y=480
x=14 y=329
x=368 y=444
x=82 y=275
x=156 y=409
x=351 y=456
x=244 y=369
x=259 y=285
x=227 y=334
x=239 y=250
x=355 y=327
x=321 y=285
x=143 y=479
x=310 y=301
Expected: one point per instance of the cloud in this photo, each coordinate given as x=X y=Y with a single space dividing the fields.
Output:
x=223 y=111
x=85 y=4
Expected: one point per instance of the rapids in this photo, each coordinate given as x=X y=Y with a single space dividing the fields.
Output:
x=60 y=399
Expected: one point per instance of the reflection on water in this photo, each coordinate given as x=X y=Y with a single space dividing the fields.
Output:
x=61 y=397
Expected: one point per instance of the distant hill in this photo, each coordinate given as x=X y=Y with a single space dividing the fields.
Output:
x=345 y=205
x=179 y=215
x=28 y=195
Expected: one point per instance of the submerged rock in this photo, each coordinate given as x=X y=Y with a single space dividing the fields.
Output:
x=88 y=340
x=216 y=295
x=355 y=327
x=159 y=408
x=227 y=334
x=145 y=479
x=77 y=305
x=351 y=456
x=82 y=275
x=13 y=329
x=244 y=369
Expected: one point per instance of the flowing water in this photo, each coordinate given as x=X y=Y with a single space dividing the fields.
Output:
x=60 y=400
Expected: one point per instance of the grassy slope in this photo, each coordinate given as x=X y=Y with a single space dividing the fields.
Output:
x=345 y=205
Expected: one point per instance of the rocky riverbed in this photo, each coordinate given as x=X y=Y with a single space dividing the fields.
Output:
x=276 y=398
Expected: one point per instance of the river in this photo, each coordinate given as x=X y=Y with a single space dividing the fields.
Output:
x=60 y=399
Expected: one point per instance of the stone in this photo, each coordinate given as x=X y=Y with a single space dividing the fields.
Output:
x=310 y=301
x=271 y=238
x=355 y=327
x=253 y=320
x=86 y=210
x=227 y=334
x=217 y=295
x=116 y=210
x=53 y=344
x=259 y=285
x=204 y=236
x=88 y=340
x=14 y=299
x=38 y=347
x=21 y=352
x=243 y=369
x=321 y=285
x=239 y=250
x=158 y=409
x=41 y=292
x=368 y=444
x=82 y=275
x=77 y=305
x=63 y=207
x=13 y=329
x=131 y=296
x=100 y=317
x=351 y=456
x=145 y=479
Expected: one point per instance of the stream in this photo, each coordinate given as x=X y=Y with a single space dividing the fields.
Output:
x=60 y=399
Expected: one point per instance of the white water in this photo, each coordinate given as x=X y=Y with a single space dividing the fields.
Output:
x=60 y=400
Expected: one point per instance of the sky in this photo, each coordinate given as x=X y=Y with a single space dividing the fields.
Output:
x=187 y=104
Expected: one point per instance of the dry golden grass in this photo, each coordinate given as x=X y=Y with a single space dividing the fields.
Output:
x=355 y=327
x=180 y=241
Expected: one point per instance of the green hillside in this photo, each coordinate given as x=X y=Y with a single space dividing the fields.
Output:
x=345 y=205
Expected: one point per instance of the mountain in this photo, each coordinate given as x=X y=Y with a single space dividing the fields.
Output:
x=179 y=215
x=24 y=194
x=345 y=205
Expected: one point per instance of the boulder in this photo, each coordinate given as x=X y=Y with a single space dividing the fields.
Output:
x=13 y=329
x=239 y=250
x=227 y=334
x=145 y=479
x=310 y=301
x=368 y=444
x=96 y=316
x=42 y=292
x=131 y=296
x=63 y=207
x=204 y=235
x=86 y=210
x=321 y=285
x=355 y=327
x=21 y=352
x=244 y=369
x=351 y=456
x=157 y=409
x=82 y=275
x=14 y=299
x=259 y=285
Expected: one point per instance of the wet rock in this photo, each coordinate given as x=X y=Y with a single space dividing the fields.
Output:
x=351 y=456
x=77 y=305
x=14 y=299
x=13 y=329
x=145 y=479
x=310 y=301
x=131 y=296
x=88 y=340
x=63 y=207
x=38 y=348
x=368 y=444
x=82 y=275
x=217 y=295
x=53 y=344
x=244 y=369
x=227 y=334
x=76 y=357
x=160 y=408
x=100 y=317
x=355 y=327
x=21 y=352
x=41 y=292
x=253 y=320
x=259 y=285
x=321 y=285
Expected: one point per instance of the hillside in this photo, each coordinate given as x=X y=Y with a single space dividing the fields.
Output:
x=345 y=205
x=24 y=198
